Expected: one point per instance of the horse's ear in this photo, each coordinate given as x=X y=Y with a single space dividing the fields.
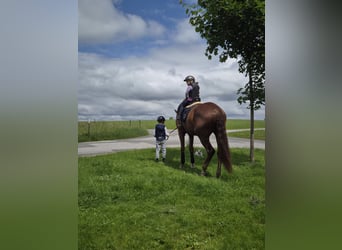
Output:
x=176 y=111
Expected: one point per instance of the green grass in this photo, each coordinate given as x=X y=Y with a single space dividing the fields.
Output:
x=242 y=124
x=97 y=131
x=128 y=201
x=258 y=134
x=112 y=130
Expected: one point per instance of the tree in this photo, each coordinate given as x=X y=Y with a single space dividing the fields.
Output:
x=235 y=29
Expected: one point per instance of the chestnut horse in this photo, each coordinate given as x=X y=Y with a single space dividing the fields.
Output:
x=203 y=120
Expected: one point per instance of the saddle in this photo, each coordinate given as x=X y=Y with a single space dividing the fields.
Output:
x=187 y=110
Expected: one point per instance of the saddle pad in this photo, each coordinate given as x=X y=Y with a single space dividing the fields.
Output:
x=193 y=104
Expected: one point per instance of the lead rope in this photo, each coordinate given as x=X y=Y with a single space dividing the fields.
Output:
x=171 y=132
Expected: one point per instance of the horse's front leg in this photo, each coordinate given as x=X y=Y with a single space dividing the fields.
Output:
x=181 y=135
x=191 y=149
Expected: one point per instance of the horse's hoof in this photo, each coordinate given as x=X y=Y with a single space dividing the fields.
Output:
x=203 y=173
x=181 y=166
x=218 y=175
x=192 y=165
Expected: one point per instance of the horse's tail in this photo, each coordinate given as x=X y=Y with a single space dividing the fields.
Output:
x=223 y=152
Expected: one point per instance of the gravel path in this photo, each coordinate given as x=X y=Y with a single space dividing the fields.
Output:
x=106 y=147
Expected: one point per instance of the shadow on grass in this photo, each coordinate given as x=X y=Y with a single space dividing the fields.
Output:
x=240 y=157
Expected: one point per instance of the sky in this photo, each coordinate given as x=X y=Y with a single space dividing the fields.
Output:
x=134 y=55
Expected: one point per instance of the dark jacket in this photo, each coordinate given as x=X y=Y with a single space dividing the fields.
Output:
x=195 y=92
x=160 y=132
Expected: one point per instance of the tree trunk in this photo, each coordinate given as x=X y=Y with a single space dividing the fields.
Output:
x=251 y=150
x=251 y=153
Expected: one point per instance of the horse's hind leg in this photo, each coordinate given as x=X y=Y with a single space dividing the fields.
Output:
x=191 y=149
x=218 y=170
x=210 y=152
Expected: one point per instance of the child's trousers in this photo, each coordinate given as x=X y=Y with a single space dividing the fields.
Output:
x=161 y=145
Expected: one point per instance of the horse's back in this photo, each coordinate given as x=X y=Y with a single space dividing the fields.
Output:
x=209 y=110
x=203 y=118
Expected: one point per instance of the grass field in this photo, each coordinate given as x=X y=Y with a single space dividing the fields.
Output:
x=111 y=130
x=258 y=134
x=128 y=201
x=97 y=131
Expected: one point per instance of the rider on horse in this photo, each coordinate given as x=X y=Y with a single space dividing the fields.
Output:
x=191 y=95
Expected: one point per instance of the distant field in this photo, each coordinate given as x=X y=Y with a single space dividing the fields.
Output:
x=111 y=130
x=102 y=130
x=258 y=134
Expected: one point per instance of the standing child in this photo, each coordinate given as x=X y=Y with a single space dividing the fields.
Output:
x=161 y=135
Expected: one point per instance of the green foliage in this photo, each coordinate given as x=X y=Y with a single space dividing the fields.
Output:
x=128 y=201
x=235 y=29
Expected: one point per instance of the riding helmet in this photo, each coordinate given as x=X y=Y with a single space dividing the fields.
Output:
x=161 y=119
x=189 y=78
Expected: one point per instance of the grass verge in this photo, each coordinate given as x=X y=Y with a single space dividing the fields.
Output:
x=128 y=201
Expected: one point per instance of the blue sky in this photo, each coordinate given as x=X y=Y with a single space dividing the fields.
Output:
x=134 y=55
x=165 y=15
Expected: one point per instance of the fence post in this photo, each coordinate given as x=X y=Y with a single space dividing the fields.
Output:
x=89 y=128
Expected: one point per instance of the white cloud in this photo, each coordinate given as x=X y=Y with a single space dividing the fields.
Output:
x=144 y=87
x=103 y=23
x=185 y=33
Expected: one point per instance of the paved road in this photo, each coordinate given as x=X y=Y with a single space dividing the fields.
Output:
x=106 y=147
